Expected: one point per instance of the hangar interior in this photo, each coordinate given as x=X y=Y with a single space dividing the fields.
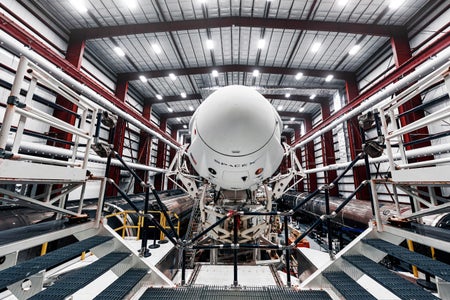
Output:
x=111 y=183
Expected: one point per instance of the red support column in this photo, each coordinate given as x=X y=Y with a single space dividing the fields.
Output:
x=117 y=138
x=310 y=158
x=402 y=53
x=298 y=153
x=173 y=152
x=285 y=161
x=355 y=142
x=145 y=146
x=328 y=150
x=74 y=55
x=161 y=157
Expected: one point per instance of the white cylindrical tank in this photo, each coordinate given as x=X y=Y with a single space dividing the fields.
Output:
x=235 y=138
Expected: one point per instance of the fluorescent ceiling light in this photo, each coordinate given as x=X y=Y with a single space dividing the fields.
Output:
x=183 y=95
x=184 y=126
x=395 y=4
x=312 y=96
x=191 y=108
x=119 y=51
x=255 y=73
x=215 y=73
x=261 y=43
x=156 y=48
x=79 y=5
x=329 y=78
x=292 y=119
x=178 y=119
x=342 y=2
x=354 y=50
x=280 y=107
x=299 y=75
x=301 y=109
x=172 y=76
x=315 y=47
x=285 y=126
x=142 y=78
x=131 y=3
x=287 y=95
x=159 y=97
x=170 y=109
x=209 y=44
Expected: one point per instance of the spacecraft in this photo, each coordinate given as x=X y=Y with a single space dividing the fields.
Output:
x=236 y=148
x=235 y=139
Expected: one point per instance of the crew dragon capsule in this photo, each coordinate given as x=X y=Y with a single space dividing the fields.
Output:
x=235 y=139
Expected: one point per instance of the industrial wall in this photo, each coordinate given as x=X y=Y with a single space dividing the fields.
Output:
x=421 y=33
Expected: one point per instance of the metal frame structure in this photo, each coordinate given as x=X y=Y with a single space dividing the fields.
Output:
x=60 y=177
x=407 y=175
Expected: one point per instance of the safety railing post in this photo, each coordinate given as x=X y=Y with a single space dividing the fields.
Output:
x=288 y=252
x=235 y=256
x=328 y=222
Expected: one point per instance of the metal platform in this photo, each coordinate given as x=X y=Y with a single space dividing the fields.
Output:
x=80 y=278
x=52 y=259
x=397 y=285
x=347 y=287
x=21 y=233
x=422 y=262
x=226 y=293
x=122 y=286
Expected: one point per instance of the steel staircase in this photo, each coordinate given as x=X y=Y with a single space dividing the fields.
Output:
x=25 y=280
x=343 y=275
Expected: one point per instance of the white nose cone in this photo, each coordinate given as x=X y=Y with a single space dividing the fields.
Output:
x=235 y=140
x=236 y=121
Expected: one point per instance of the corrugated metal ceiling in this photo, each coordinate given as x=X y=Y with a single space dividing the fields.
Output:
x=186 y=48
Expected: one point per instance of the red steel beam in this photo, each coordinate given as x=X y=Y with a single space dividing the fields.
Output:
x=434 y=48
x=340 y=75
x=328 y=154
x=145 y=142
x=300 y=98
x=298 y=153
x=120 y=30
x=21 y=35
x=117 y=138
x=165 y=99
x=182 y=114
x=310 y=158
x=161 y=158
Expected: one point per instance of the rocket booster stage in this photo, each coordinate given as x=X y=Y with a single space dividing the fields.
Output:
x=235 y=138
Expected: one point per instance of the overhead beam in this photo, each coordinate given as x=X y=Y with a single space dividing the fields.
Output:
x=152 y=100
x=12 y=29
x=299 y=98
x=121 y=30
x=182 y=114
x=341 y=75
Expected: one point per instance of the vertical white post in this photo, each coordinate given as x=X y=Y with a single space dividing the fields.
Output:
x=376 y=205
x=15 y=92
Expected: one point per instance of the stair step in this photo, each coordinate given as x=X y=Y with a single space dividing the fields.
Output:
x=423 y=262
x=80 y=278
x=397 y=285
x=30 y=267
x=122 y=286
x=348 y=288
x=225 y=293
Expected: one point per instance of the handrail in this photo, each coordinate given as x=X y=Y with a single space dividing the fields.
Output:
x=125 y=213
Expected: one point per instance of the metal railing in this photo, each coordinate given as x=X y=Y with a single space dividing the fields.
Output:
x=49 y=179
x=126 y=224
x=415 y=178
